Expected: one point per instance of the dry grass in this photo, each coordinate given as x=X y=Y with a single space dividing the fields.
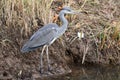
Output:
x=25 y=13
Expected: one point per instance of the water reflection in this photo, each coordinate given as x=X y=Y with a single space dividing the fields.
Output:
x=92 y=73
x=96 y=73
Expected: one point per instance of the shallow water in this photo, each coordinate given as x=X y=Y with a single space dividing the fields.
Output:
x=97 y=73
x=91 y=73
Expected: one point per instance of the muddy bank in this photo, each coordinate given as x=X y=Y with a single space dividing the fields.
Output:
x=26 y=66
x=86 y=50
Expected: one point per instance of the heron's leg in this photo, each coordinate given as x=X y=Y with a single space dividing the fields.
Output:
x=41 y=56
x=48 y=58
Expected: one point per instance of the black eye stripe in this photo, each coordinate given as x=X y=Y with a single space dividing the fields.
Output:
x=66 y=9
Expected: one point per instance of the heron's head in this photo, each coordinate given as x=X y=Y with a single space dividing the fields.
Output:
x=67 y=10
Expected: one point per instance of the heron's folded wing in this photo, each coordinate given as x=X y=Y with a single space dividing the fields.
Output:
x=45 y=37
x=44 y=28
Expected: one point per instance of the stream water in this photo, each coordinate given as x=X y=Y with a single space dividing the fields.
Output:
x=91 y=73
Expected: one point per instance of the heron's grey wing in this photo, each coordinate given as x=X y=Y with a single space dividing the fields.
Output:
x=42 y=36
x=48 y=26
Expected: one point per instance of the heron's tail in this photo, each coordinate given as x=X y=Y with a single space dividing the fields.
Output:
x=29 y=46
x=26 y=48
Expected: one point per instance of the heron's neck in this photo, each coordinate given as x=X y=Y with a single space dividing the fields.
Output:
x=64 y=20
x=64 y=23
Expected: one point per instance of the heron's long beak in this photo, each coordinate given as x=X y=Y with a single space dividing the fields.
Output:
x=75 y=12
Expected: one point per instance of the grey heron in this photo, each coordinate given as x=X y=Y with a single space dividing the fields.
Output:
x=46 y=35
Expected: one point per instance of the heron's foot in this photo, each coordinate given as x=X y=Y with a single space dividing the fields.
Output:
x=49 y=69
x=41 y=70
